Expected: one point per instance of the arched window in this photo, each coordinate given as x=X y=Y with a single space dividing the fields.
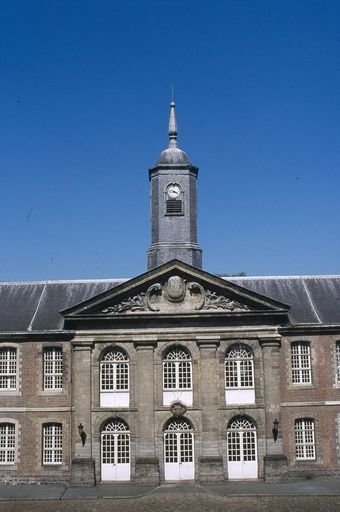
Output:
x=304 y=439
x=242 y=448
x=114 y=379
x=179 y=450
x=239 y=375
x=115 y=451
x=177 y=376
x=8 y=368
x=7 y=443
x=52 y=443
x=301 y=362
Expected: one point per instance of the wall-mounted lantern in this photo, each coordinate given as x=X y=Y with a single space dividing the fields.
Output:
x=275 y=429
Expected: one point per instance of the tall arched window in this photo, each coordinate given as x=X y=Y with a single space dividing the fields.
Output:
x=114 y=379
x=115 y=451
x=239 y=375
x=7 y=443
x=177 y=376
x=179 y=450
x=242 y=448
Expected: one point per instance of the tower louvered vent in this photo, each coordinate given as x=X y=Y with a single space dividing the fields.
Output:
x=174 y=207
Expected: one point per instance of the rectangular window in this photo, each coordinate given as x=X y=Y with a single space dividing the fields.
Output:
x=53 y=368
x=301 y=363
x=7 y=443
x=304 y=439
x=8 y=368
x=52 y=443
x=337 y=361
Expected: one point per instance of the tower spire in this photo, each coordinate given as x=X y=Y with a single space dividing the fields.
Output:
x=172 y=126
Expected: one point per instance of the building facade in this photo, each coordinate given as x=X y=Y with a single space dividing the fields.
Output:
x=174 y=375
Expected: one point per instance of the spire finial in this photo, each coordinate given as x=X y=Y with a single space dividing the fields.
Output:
x=172 y=122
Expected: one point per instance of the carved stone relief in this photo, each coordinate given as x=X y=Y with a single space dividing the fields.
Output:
x=175 y=295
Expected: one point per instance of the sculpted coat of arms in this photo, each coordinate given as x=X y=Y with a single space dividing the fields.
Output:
x=175 y=295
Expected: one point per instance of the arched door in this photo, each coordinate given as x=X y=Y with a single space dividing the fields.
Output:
x=179 y=450
x=242 y=449
x=115 y=451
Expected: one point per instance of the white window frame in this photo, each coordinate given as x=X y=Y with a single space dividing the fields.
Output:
x=110 y=370
x=337 y=361
x=53 y=368
x=239 y=376
x=301 y=362
x=304 y=431
x=114 y=378
x=177 y=370
x=8 y=443
x=8 y=368
x=52 y=439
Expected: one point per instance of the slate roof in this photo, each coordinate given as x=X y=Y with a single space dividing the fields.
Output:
x=35 y=305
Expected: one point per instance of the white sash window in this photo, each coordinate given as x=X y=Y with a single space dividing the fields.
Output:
x=7 y=443
x=239 y=375
x=301 y=362
x=177 y=376
x=337 y=361
x=8 y=368
x=114 y=379
x=304 y=439
x=52 y=443
x=53 y=368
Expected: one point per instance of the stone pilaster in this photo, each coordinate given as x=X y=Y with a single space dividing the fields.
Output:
x=211 y=466
x=147 y=464
x=275 y=463
x=82 y=462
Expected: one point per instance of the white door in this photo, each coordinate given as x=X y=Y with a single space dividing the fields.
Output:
x=115 y=448
x=179 y=452
x=242 y=450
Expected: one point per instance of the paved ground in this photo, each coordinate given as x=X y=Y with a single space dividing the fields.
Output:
x=178 y=502
x=303 y=496
x=314 y=487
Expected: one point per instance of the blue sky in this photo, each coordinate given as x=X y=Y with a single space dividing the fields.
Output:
x=85 y=90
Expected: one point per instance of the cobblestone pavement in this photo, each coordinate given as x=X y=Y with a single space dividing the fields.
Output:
x=179 y=502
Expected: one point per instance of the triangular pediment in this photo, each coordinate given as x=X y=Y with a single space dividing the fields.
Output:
x=174 y=288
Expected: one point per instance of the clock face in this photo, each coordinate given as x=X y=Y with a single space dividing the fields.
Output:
x=173 y=191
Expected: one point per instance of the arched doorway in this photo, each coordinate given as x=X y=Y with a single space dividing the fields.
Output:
x=179 y=450
x=115 y=451
x=242 y=449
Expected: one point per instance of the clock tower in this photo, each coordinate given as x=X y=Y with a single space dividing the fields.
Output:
x=173 y=205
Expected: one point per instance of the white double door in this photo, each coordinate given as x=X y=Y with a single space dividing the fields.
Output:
x=242 y=455
x=179 y=456
x=115 y=448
